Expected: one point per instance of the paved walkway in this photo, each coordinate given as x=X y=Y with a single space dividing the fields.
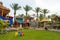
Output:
x=54 y=30
x=48 y=29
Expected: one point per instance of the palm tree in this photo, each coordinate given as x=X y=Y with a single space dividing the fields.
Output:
x=27 y=8
x=45 y=11
x=15 y=7
x=37 y=10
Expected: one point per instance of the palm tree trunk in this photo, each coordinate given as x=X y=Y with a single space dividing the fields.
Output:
x=37 y=16
x=44 y=22
x=14 y=17
x=26 y=13
x=44 y=16
x=37 y=19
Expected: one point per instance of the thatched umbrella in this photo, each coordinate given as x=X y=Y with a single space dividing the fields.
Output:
x=3 y=10
x=45 y=20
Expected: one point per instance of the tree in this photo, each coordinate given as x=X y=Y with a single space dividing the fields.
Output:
x=15 y=7
x=3 y=25
x=20 y=15
x=37 y=10
x=41 y=17
x=27 y=8
x=53 y=16
x=49 y=17
x=45 y=11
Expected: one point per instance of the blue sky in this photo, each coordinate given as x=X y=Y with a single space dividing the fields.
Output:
x=52 y=5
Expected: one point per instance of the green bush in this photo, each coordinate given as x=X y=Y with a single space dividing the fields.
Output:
x=1 y=22
x=48 y=23
x=6 y=24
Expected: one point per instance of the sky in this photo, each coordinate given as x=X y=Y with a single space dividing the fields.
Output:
x=52 y=5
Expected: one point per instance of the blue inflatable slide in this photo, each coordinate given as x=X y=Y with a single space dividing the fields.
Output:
x=10 y=19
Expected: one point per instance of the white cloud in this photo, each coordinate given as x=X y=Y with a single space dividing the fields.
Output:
x=52 y=5
x=48 y=4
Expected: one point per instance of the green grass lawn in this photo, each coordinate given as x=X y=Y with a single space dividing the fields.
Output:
x=31 y=35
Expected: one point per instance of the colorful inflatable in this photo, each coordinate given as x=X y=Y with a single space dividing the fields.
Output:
x=19 y=33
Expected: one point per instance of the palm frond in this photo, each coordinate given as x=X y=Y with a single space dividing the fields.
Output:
x=45 y=11
x=15 y=6
x=37 y=9
x=27 y=8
